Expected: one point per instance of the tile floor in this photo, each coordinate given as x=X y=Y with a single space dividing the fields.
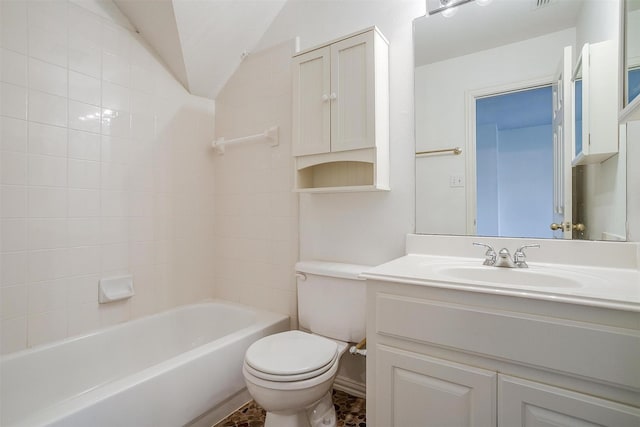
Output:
x=349 y=409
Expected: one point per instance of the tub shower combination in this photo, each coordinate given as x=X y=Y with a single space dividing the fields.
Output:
x=182 y=366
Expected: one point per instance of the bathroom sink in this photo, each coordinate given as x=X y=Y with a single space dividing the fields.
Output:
x=507 y=276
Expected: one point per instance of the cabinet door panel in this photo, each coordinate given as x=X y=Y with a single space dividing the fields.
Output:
x=418 y=390
x=311 y=104
x=529 y=404
x=352 y=83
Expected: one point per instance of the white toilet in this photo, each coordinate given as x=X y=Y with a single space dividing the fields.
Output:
x=291 y=374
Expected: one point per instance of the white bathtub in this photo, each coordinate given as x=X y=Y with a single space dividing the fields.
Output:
x=163 y=370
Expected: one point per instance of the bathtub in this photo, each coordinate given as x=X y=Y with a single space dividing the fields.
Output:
x=179 y=367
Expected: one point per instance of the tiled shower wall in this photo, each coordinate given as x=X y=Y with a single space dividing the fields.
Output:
x=256 y=221
x=106 y=170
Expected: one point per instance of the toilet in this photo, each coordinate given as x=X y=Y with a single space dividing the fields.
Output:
x=291 y=374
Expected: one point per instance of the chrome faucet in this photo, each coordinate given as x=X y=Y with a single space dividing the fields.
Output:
x=489 y=256
x=519 y=258
x=503 y=257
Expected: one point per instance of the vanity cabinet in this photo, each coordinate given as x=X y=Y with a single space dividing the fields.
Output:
x=341 y=115
x=446 y=357
x=595 y=103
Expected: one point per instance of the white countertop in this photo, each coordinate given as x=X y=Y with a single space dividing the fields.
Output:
x=617 y=288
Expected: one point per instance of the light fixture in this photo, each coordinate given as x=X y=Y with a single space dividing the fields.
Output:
x=447 y=7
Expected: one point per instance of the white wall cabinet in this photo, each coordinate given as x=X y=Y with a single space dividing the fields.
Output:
x=443 y=357
x=341 y=115
x=595 y=103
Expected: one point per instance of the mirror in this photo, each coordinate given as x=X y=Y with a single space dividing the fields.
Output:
x=631 y=50
x=478 y=175
x=577 y=106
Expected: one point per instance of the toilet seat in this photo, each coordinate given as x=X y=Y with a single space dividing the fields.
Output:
x=291 y=356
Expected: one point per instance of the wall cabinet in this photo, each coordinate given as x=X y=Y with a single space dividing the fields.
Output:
x=443 y=357
x=341 y=115
x=595 y=103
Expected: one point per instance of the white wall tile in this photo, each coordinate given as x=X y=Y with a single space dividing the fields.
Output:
x=84 y=57
x=115 y=97
x=14 y=201
x=48 y=171
x=115 y=149
x=47 y=296
x=114 y=176
x=114 y=203
x=47 y=202
x=85 y=25
x=47 y=77
x=14 y=268
x=85 y=260
x=47 y=327
x=48 y=45
x=84 y=88
x=84 y=117
x=13 y=301
x=13 y=67
x=84 y=145
x=47 y=233
x=84 y=231
x=48 y=264
x=115 y=257
x=13 y=101
x=116 y=123
x=14 y=334
x=115 y=69
x=83 y=318
x=14 y=134
x=14 y=168
x=81 y=198
x=114 y=230
x=83 y=203
x=48 y=109
x=13 y=25
x=84 y=174
x=83 y=290
x=47 y=140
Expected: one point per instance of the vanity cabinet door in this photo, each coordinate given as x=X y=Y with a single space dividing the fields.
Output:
x=311 y=102
x=530 y=404
x=417 y=390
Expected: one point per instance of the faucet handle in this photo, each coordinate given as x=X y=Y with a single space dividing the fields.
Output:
x=489 y=256
x=519 y=257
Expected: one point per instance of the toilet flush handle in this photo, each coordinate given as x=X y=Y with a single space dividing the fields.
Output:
x=301 y=276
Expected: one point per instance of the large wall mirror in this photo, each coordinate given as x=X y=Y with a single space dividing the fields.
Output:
x=498 y=92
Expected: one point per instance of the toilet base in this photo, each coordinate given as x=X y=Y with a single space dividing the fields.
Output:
x=320 y=414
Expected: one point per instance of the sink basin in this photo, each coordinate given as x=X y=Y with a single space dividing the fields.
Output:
x=507 y=276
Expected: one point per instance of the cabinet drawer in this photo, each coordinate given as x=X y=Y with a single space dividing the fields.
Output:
x=593 y=351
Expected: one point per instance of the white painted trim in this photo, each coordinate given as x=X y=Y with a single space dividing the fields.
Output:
x=350 y=386
x=470 y=140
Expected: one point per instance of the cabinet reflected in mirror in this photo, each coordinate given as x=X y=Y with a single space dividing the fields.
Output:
x=460 y=60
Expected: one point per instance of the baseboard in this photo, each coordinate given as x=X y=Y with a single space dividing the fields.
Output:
x=350 y=386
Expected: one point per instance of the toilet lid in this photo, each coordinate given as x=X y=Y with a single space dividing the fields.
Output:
x=291 y=353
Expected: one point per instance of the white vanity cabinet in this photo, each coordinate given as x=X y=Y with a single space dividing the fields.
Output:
x=445 y=357
x=341 y=115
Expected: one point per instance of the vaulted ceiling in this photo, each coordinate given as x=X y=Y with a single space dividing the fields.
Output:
x=201 y=41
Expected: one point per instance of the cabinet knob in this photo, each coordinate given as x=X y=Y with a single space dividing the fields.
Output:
x=333 y=96
x=325 y=98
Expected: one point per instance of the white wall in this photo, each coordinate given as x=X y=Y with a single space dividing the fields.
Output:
x=256 y=216
x=444 y=87
x=366 y=228
x=633 y=181
x=85 y=198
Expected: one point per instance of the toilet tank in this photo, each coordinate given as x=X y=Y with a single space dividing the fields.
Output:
x=332 y=299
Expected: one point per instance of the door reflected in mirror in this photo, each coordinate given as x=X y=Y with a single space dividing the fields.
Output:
x=632 y=50
x=460 y=63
